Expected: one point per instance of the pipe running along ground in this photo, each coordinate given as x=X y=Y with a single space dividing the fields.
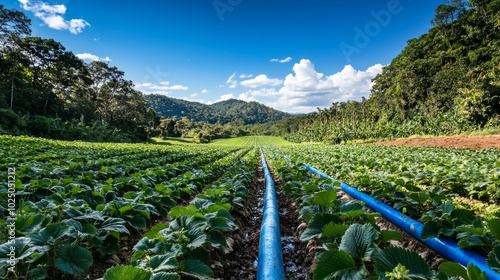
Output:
x=270 y=260
x=446 y=247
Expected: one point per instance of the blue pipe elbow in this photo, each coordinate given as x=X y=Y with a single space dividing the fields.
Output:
x=270 y=260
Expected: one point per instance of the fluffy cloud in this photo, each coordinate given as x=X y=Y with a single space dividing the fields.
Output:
x=161 y=88
x=284 y=60
x=52 y=16
x=225 y=97
x=306 y=89
x=261 y=81
x=246 y=76
x=92 y=57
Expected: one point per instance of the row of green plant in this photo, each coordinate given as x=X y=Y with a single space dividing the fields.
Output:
x=424 y=184
x=185 y=246
x=62 y=221
x=351 y=244
x=468 y=173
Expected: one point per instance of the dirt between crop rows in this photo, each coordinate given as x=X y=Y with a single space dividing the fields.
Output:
x=471 y=142
x=240 y=261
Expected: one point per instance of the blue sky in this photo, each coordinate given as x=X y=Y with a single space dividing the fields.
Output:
x=293 y=55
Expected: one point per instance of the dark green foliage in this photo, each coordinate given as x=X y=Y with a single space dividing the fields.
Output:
x=46 y=90
x=444 y=82
x=222 y=112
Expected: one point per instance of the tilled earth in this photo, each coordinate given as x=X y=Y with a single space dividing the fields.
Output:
x=471 y=142
x=240 y=262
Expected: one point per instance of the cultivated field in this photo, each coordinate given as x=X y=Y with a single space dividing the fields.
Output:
x=73 y=210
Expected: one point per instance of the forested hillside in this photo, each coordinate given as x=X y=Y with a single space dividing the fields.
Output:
x=444 y=82
x=223 y=111
x=47 y=91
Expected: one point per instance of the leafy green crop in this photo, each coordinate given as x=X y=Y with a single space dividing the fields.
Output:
x=75 y=200
x=354 y=247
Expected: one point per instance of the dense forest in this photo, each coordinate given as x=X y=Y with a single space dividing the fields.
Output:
x=223 y=112
x=47 y=91
x=444 y=82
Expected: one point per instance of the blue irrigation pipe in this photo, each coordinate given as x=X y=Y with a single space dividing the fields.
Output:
x=270 y=261
x=446 y=247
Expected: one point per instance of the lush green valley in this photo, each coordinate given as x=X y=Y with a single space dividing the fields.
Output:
x=222 y=112
x=444 y=82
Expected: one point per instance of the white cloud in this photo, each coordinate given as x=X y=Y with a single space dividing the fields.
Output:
x=92 y=57
x=246 y=76
x=261 y=81
x=246 y=97
x=194 y=95
x=284 y=60
x=178 y=87
x=204 y=91
x=52 y=16
x=225 y=97
x=305 y=89
x=161 y=88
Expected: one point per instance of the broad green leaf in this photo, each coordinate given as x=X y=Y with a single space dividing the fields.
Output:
x=334 y=230
x=155 y=246
x=337 y=265
x=325 y=198
x=453 y=269
x=494 y=258
x=387 y=235
x=165 y=276
x=196 y=268
x=154 y=231
x=419 y=197
x=389 y=258
x=179 y=211
x=127 y=273
x=37 y=274
x=73 y=259
x=197 y=237
x=29 y=223
x=201 y=254
x=358 y=241
x=114 y=224
x=352 y=205
x=138 y=222
x=219 y=223
x=217 y=239
x=315 y=227
x=163 y=263
x=494 y=226
x=430 y=230
x=50 y=234
x=475 y=273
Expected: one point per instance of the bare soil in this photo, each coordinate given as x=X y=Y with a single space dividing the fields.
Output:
x=460 y=141
x=240 y=260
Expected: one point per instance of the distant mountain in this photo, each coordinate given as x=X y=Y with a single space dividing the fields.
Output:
x=223 y=111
